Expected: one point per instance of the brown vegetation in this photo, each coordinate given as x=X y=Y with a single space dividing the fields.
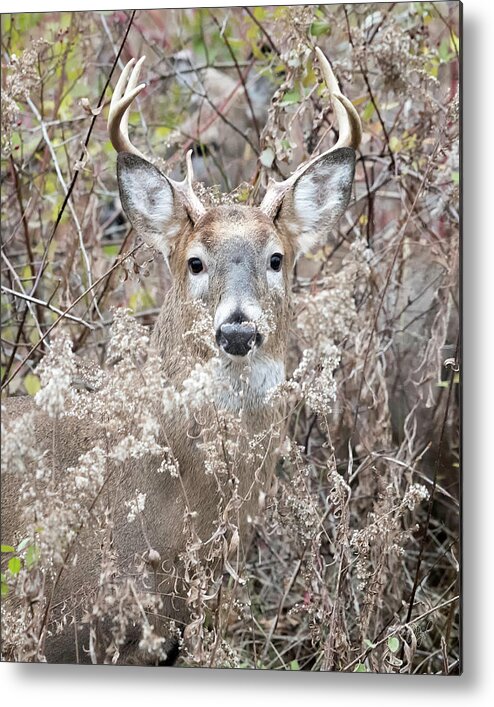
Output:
x=354 y=562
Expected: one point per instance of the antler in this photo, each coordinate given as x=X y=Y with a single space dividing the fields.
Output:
x=350 y=134
x=124 y=94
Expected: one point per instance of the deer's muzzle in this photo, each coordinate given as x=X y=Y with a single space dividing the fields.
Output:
x=238 y=338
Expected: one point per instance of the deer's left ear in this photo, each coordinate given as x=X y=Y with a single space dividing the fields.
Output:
x=317 y=199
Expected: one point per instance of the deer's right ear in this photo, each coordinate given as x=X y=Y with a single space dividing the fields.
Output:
x=154 y=210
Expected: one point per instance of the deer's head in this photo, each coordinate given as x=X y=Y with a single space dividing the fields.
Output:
x=236 y=259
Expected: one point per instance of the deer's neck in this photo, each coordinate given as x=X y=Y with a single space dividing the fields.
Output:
x=248 y=384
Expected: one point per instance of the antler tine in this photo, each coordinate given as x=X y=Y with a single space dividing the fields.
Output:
x=193 y=204
x=129 y=91
x=350 y=133
x=349 y=125
x=124 y=94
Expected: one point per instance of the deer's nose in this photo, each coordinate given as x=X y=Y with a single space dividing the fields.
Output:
x=237 y=339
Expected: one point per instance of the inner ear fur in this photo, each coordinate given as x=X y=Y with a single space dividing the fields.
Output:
x=150 y=202
x=317 y=200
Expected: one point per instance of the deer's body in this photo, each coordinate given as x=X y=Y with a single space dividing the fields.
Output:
x=237 y=262
x=167 y=498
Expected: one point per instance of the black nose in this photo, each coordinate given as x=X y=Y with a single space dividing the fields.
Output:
x=237 y=339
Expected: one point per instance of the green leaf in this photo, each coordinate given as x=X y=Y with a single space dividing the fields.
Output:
x=140 y=301
x=260 y=13
x=252 y=34
x=368 y=112
x=454 y=42
x=360 y=668
x=5 y=589
x=290 y=98
x=243 y=194
x=111 y=250
x=444 y=52
x=8 y=548
x=395 y=143
x=236 y=42
x=393 y=644
x=14 y=565
x=26 y=274
x=294 y=665
x=31 y=383
x=320 y=27
x=369 y=644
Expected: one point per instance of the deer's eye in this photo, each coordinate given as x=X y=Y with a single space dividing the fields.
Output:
x=195 y=265
x=276 y=261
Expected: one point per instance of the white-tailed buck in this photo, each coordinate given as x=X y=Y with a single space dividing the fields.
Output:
x=237 y=262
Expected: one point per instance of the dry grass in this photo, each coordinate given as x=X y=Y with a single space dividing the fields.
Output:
x=354 y=565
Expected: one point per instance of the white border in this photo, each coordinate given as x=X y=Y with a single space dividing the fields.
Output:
x=41 y=685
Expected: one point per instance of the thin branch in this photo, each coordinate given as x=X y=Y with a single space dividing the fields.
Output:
x=17 y=279
x=47 y=305
x=69 y=308
x=263 y=30
x=425 y=531
x=72 y=210
x=82 y=157
x=387 y=279
x=239 y=73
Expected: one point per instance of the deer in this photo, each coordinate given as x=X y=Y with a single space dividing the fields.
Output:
x=237 y=260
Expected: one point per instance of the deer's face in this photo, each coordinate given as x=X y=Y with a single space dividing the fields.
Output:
x=237 y=260
x=239 y=265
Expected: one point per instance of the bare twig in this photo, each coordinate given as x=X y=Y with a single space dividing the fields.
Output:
x=82 y=156
x=64 y=313
x=47 y=305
